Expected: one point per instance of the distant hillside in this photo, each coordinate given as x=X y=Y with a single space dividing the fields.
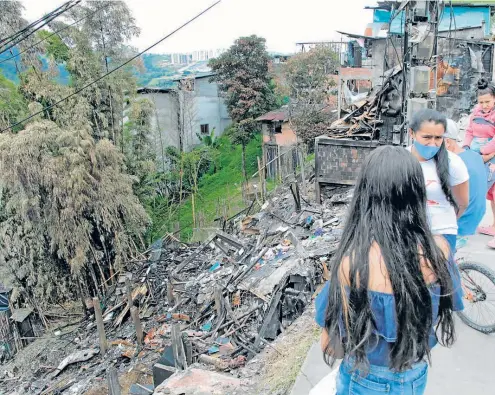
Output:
x=9 y=70
x=155 y=70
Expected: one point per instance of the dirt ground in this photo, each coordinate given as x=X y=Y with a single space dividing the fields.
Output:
x=275 y=369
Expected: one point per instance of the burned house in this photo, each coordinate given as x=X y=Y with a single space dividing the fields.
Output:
x=18 y=326
x=421 y=54
x=458 y=54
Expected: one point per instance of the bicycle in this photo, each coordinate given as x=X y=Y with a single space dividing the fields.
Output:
x=478 y=282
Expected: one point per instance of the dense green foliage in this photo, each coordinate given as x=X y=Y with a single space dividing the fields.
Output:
x=219 y=190
x=13 y=106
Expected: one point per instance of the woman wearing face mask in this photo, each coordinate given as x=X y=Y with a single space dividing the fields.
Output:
x=480 y=138
x=446 y=175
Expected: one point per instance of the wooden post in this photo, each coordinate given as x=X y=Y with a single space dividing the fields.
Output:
x=279 y=159
x=263 y=163
x=303 y=173
x=95 y=281
x=218 y=301
x=178 y=348
x=170 y=293
x=113 y=382
x=260 y=175
x=129 y=292
x=100 y=326
x=193 y=210
x=177 y=230
x=137 y=325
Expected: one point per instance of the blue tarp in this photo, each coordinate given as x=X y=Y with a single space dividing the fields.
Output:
x=381 y=16
x=460 y=18
x=4 y=301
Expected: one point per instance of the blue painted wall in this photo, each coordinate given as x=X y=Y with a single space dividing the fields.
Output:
x=460 y=17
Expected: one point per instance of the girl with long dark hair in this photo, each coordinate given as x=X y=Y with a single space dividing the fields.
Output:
x=480 y=138
x=446 y=175
x=392 y=288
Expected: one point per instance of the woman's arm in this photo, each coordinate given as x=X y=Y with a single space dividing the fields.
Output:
x=469 y=134
x=330 y=345
x=489 y=148
x=461 y=196
x=487 y=158
x=324 y=340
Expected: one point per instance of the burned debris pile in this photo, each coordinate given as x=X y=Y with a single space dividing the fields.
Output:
x=364 y=119
x=213 y=305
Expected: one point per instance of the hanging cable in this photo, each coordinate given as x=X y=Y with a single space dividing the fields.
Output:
x=56 y=32
x=32 y=24
x=113 y=70
x=11 y=44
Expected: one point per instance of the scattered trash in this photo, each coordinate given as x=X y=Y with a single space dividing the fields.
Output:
x=218 y=303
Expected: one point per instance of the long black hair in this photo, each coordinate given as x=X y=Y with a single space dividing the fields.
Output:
x=389 y=209
x=442 y=156
x=485 y=87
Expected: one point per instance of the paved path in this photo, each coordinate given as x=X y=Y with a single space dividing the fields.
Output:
x=468 y=368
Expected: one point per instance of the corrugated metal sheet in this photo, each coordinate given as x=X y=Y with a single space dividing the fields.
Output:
x=276 y=115
x=19 y=315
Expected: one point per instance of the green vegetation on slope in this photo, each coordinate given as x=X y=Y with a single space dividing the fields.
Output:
x=219 y=192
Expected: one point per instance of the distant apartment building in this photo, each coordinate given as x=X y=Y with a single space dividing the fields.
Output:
x=195 y=56
x=180 y=58
x=204 y=55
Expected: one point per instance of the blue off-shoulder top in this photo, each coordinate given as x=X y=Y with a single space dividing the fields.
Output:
x=383 y=308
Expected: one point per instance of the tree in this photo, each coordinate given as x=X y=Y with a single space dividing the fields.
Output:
x=139 y=151
x=98 y=45
x=13 y=107
x=306 y=79
x=54 y=46
x=68 y=213
x=243 y=77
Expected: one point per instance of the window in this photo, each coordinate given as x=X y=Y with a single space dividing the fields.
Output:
x=276 y=127
x=205 y=129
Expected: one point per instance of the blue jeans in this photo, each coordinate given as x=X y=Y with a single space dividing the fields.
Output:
x=452 y=240
x=380 y=380
x=476 y=146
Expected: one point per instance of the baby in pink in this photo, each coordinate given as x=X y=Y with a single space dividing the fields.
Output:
x=481 y=131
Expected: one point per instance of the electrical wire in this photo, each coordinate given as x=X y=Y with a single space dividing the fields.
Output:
x=25 y=33
x=113 y=70
x=12 y=43
x=56 y=32
x=51 y=17
x=16 y=34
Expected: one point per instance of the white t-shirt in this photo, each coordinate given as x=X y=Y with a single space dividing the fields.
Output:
x=441 y=214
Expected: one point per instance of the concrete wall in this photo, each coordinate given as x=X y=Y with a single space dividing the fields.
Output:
x=203 y=106
x=286 y=138
x=164 y=122
x=338 y=161
x=209 y=109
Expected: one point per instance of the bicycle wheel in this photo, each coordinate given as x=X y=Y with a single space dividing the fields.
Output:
x=478 y=282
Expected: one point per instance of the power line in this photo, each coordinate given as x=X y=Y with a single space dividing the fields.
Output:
x=113 y=70
x=32 y=24
x=46 y=20
x=56 y=32
x=50 y=17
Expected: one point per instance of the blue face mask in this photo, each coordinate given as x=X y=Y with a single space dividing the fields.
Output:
x=426 y=151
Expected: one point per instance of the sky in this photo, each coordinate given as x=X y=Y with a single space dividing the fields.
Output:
x=281 y=22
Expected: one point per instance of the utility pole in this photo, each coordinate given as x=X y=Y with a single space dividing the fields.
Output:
x=420 y=50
